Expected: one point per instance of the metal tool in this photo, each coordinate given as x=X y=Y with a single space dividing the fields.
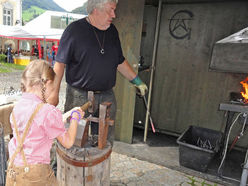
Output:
x=150 y=117
x=147 y=110
x=83 y=127
x=103 y=120
x=245 y=115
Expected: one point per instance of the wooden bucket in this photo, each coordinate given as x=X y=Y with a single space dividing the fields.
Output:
x=83 y=166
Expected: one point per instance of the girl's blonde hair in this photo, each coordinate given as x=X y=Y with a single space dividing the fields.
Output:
x=37 y=72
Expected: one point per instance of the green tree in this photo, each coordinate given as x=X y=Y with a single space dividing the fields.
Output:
x=44 y=4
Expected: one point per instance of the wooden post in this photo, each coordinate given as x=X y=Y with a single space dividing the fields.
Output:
x=102 y=123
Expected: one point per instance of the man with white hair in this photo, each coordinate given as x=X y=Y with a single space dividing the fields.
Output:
x=91 y=52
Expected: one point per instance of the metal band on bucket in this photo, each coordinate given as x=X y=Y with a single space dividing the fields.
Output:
x=80 y=163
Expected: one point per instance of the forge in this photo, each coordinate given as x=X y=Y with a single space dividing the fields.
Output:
x=237 y=105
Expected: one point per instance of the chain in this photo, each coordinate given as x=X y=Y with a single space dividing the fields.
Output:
x=97 y=38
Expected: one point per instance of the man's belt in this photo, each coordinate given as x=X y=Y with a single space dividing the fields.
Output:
x=95 y=91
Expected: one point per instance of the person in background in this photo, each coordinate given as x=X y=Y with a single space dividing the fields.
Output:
x=35 y=125
x=91 y=52
x=49 y=55
x=36 y=51
x=32 y=51
x=9 y=54
x=6 y=54
x=54 y=53
x=42 y=52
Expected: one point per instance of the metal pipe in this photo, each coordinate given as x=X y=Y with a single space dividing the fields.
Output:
x=243 y=179
x=244 y=172
x=153 y=66
x=150 y=117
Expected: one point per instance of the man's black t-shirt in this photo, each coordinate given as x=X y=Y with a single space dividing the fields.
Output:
x=86 y=67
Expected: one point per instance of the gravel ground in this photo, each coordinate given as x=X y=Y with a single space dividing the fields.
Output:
x=13 y=79
x=10 y=79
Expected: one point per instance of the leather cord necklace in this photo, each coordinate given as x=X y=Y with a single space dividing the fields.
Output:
x=97 y=38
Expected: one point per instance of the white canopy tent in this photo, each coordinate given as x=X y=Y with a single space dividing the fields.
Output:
x=15 y=32
x=29 y=33
x=42 y=27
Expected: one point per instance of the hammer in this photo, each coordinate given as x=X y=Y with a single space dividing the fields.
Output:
x=83 y=125
x=85 y=106
x=88 y=105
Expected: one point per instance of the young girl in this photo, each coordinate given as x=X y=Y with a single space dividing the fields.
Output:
x=35 y=125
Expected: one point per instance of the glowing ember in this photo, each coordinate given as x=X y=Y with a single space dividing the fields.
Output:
x=245 y=86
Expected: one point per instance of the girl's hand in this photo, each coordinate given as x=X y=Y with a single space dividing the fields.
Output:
x=67 y=115
x=76 y=115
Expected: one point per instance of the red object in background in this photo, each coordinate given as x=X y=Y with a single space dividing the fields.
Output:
x=32 y=52
x=39 y=48
x=55 y=49
x=42 y=52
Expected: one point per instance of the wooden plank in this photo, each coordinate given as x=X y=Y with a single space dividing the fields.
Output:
x=98 y=175
x=102 y=124
x=129 y=24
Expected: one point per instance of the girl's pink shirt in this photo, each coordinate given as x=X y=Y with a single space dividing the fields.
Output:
x=46 y=126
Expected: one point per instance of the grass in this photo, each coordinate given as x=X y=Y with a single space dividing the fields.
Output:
x=10 y=67
x=195 y=182
x=4 y=70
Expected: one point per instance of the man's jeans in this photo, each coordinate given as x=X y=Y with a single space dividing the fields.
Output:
x=76 y=97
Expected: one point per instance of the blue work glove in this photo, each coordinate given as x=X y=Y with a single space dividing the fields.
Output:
x=140 y=85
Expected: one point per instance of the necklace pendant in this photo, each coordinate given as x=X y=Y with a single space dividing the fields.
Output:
x=102 y=51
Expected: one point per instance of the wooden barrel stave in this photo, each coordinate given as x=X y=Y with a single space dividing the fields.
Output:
x=90 y=168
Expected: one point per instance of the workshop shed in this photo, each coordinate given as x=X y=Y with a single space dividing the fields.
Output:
x=185 y=90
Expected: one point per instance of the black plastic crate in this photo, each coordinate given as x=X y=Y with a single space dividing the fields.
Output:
x=197 y=147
